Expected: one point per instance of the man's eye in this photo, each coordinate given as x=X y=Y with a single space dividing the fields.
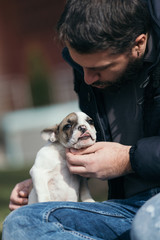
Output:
x=90 y=121
x=67 y=126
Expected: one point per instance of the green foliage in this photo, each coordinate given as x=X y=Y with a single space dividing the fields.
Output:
x=39 y=79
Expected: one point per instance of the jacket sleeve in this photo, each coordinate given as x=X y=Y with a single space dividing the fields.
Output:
x=145 y=158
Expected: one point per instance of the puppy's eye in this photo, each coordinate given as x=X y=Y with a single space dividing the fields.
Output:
x=90 y=121
x=67 y=126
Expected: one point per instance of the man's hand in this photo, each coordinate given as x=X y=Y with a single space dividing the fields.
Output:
x=103 y=160
x=19 y=195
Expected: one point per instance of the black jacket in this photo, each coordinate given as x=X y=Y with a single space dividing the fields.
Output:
x=145 y=153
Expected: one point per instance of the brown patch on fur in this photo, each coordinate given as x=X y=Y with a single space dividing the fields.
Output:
x=66 y=127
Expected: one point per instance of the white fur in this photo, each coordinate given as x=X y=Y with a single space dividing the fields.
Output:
x=51 y=178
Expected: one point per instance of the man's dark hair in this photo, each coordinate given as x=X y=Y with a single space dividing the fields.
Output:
x=94 y=25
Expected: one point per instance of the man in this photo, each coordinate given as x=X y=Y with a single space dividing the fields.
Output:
x=114 y=53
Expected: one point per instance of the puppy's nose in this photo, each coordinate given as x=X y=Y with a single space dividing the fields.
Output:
x=82 y=128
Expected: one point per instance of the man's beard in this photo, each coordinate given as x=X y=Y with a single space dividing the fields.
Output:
x=133 y=68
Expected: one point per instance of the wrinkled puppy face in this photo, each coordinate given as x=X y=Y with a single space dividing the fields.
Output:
x=77 y=131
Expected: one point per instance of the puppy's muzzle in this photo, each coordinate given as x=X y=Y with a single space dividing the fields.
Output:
x=84 y=133
x=82 y=128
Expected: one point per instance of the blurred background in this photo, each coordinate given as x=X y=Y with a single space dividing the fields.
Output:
x=33 y=76
x=36 y=86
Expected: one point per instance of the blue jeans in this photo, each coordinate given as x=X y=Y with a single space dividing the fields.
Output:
x=146 y=224
x=75 y=221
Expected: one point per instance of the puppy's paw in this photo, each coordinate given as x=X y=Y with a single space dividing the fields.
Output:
x=44 y=199
x=89 y=200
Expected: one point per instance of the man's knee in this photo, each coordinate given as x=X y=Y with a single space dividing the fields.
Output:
x=10 y=225
x=17 y=221
x=146 y=224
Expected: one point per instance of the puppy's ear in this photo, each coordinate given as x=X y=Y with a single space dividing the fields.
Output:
x=50 y=134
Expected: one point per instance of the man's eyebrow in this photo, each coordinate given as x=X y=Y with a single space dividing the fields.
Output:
x=100 y=68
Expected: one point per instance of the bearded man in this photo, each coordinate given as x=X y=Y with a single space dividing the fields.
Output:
x=114 y=49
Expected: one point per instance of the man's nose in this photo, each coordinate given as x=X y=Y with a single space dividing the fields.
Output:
x=90 y=76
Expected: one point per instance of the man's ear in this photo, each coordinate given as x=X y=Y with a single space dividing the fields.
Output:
x=50 y=134
x=140 y=45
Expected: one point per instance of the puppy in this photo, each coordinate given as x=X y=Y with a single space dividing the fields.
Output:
x=51 y=178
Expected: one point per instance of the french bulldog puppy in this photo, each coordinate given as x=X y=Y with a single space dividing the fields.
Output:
x=51 y=178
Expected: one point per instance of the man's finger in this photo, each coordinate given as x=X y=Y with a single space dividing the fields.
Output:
x=13 y=207
x=18 y=200
x=78 y=160
x=79 y=170
x=24 y=193
x=84 y=151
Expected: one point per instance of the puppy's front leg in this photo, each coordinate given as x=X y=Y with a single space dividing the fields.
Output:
x=85 y=195
x=40 y=180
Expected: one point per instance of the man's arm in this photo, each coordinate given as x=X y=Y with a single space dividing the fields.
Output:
x=145 y=158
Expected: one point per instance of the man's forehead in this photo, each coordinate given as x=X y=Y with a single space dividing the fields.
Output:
x=95 y=60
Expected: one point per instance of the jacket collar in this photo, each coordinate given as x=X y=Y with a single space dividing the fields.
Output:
x=150 y=55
